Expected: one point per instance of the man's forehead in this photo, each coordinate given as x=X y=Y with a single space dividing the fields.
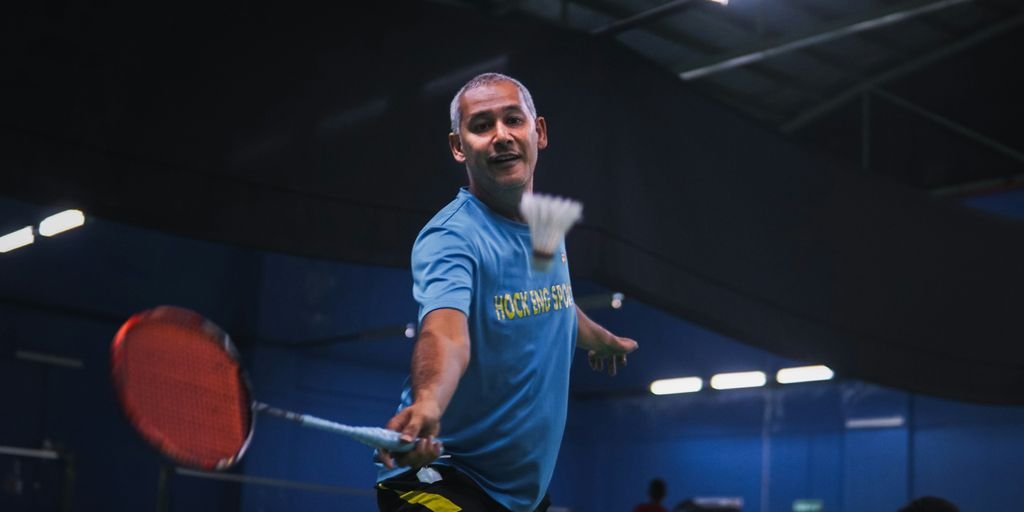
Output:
x=495 y=96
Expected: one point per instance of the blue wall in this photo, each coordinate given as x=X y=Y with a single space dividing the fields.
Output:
x=710 y=445
x=766 y=446
x=67 y=295
x=1009 y=204
x=356 y=383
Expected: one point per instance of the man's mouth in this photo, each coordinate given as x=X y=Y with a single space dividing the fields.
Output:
x=503 y=158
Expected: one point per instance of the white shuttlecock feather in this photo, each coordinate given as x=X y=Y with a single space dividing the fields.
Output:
x=549 y=218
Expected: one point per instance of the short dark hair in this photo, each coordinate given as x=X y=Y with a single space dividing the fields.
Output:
x=455 y=114
x=929 y=504
x=657 y=489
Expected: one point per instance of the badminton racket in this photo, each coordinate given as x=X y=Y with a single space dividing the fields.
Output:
x=180 y=383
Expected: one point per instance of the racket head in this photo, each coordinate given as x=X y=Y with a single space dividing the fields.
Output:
x=180 y=383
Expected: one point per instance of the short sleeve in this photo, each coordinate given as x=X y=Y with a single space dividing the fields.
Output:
x=442 y=271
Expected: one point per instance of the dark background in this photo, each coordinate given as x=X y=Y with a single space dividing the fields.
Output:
x=270 y=167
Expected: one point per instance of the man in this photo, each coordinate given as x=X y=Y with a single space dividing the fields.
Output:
x=496 y=337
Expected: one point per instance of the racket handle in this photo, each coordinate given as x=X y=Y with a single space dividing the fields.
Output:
x=371 y=436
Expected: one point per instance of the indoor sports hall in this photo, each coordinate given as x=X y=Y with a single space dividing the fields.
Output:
x=808 y=214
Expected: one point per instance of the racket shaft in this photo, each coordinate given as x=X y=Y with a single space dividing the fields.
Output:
x=372 y=436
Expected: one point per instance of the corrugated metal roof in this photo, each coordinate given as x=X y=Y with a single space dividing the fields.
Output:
x=794 y=61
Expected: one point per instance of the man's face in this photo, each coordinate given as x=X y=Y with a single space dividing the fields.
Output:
x=498 y=140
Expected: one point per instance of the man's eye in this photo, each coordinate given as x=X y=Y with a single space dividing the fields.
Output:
x=514 y=121
x=479 y=127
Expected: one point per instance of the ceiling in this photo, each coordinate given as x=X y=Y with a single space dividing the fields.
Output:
x=841 y=76
x=322 y=134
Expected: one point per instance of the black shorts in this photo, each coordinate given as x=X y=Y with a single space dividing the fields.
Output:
x=454 y=492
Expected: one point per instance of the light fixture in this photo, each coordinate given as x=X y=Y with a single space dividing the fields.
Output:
x=723 y=2
x=410 y=330
x=738 y=380
x=804 y=374
x=617 y=300
x=40 y=357
x=16 y=239
x=876 y=422
x=61 y=222
x=676 y=386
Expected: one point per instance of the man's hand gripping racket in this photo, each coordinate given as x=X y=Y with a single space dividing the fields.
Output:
x=180 y=383
x=420 y=421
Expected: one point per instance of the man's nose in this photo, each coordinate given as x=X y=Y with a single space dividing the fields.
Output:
x=501 y=134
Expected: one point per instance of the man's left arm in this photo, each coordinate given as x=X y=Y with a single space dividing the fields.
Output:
x=605 y=351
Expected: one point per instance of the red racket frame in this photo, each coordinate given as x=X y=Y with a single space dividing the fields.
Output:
x=151 y=432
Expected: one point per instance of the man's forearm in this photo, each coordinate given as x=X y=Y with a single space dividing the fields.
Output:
x=590 y=335
x=438 y=363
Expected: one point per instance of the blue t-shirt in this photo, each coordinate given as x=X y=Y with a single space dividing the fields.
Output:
x=504 y=425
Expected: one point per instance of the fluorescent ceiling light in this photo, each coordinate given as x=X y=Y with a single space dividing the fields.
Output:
x=879 y=422
x=723 y=2
x=804 y=374
x=16 y=239
x=61 y=222
x=39 y=357
x=738 y=380
x=676 y=386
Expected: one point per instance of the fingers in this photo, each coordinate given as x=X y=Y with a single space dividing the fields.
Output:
x=398 y=421
x=617 y=361
x=408 y=427
x=597 y=362
x=417 y=424
x=410 y=431
x=385 y=458
x=407 y=424
x=628 y=345
x=614 y=362
x=610 y=363
x=426 y=451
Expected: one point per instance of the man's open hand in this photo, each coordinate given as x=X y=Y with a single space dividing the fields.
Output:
x=612 y=355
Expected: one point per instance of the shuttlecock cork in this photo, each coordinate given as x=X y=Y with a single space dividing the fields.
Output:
x=549 y=218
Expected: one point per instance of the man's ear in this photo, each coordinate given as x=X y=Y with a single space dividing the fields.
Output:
x=542 y=132
x=455 y=143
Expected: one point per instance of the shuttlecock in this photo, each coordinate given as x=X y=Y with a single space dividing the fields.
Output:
x=549 y=218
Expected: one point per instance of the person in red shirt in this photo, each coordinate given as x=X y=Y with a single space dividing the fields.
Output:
x=656 y=491
x=930 y=504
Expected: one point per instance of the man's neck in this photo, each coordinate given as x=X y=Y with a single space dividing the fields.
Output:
x=506 y=204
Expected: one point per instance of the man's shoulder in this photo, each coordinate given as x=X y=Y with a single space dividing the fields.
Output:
x=461 y=215
x=453 y=213
x=452 y=227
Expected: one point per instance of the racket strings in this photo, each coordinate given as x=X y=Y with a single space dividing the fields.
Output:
x=186 y=392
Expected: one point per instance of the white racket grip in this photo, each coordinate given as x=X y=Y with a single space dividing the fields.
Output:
x=372 y=436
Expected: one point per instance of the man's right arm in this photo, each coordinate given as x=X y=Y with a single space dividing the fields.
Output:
x=438 y=362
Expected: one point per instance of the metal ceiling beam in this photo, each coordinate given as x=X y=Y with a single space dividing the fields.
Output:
x=851 y=92
x=953 y=126
x=895 y=14
x=680 y=38
x=614 y=10
x=730 y=16
x=642 y=18
x=824 y=14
